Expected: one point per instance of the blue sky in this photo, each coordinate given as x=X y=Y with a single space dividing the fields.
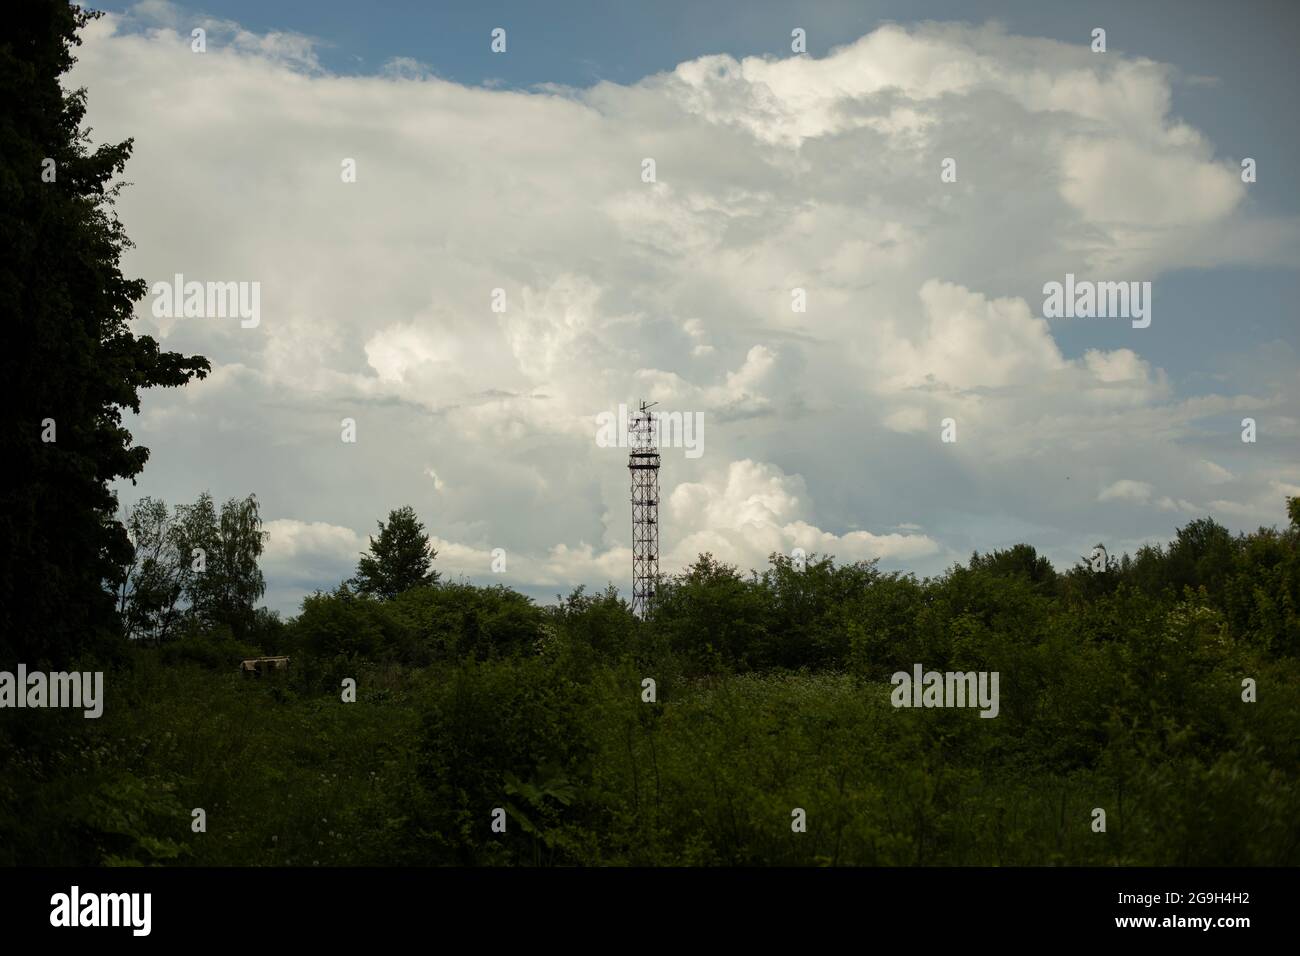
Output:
x=1246 y=50
x=480 y=172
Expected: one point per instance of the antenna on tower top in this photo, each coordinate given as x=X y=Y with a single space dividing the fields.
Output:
x=643 y=463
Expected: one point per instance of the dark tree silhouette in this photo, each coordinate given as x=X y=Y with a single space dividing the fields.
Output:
x=399 y=559
x=71 y=365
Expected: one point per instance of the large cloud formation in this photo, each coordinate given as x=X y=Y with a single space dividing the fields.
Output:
x=822 y=427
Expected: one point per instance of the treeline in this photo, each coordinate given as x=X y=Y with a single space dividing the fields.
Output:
x=817 y=614
x=1162 y=689
x=193 y=572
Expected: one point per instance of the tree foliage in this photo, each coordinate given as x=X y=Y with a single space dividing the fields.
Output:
x=771 y=691
x=70 y=363
x=399 y=559
x=191 y=567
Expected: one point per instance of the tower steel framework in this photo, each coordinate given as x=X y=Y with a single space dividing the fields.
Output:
x=643 y=463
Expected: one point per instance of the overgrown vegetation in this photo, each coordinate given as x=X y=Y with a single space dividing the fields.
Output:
x=1121 y=686
x=1121 y=689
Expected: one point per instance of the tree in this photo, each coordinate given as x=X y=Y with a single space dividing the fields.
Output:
x=399 y=559
x=194 y=565
x=1021 y=560
x=1095 y=575
x=153 y=581
x=221 y=553
x=713 y=613
x=70 y=364
x=802 y=599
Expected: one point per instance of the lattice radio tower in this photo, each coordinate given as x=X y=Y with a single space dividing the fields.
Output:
x=643 y=462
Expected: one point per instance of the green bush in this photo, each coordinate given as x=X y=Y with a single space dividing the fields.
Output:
x=772 y=695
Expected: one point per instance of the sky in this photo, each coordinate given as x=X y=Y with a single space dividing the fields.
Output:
x=774 y=170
